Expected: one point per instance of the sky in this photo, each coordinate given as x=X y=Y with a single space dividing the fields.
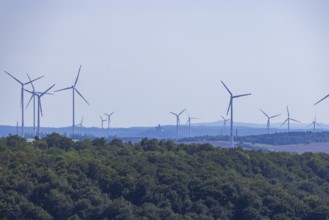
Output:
x=143 y=59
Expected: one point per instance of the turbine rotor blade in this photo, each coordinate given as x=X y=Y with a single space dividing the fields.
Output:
x=181 y=112
x=76 y=81
x=30 y=101
x=58 y=90
x=173 y=113
x=40 y=105
x=14 y=78
x=264 y=113
x=28 y=91
x=295 y=120
x=229 y=107
x=227 y=88
x=284 y=122
x=322 y=99
x=238 y=96
x=81 y=96
x=47 y=90
x=274 y=116
x=31 y=81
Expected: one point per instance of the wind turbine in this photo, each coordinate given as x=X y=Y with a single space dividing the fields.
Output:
x=22 y=96
x=289 y=119
x=108 y=123
x=268 y=120
x=33 y=96
x=230 y=107
x=39 y=95
x=74 y=89
x=314 y=123
x=102 y=123
x=189 y=123
x=81 y=125
x=322 y=99
x=225 y=120
x=177 y=121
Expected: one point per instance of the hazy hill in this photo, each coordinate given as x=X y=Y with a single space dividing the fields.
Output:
x=164 y=132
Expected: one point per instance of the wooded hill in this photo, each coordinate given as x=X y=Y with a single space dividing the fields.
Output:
x=57 y=178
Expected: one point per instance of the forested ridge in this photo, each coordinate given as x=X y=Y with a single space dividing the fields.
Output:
x=57 y=178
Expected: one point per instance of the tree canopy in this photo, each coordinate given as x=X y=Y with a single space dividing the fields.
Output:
x=57 y=178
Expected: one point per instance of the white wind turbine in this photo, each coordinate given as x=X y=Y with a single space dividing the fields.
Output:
x=230 y=107
x=289 y=119
x=74 y=89
x=22 y=96
x=189 y=120
x=314 y=123
x=268 y=120
x=39 y=96
x=225 y=120
x=177 y=122
x=108 y=123
x=80 y=125
x=32 y=97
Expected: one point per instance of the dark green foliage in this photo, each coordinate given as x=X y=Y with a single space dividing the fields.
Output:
x=57 y=178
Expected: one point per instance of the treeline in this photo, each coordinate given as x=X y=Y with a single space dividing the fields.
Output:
x=57 y=178
x=288 y=138
x=282 y=138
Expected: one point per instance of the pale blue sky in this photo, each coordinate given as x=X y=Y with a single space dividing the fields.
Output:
x=143 y=59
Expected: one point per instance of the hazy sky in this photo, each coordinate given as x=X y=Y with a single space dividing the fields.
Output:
x=144 y=58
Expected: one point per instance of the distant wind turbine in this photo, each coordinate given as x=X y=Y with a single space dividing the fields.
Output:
x=314 y=123
x=230 y=107
x=74 y=89
x=22 y=96
x=225 y=120
x=322 y=99
x=189 y=123
x=39 y=96
x=289 y=119
x=268 y=120
x=108 y=123
x=102 y=122
x=177 y=121
x=33 y=97
x=80 y=125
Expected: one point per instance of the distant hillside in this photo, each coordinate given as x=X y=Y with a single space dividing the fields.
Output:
x=57 y=178
x=161 y=132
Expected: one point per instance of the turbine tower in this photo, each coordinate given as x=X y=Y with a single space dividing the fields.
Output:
x=230 y=107
x=177 y=121
x=314 y=123
x=74 y=89
x=289 y=119
x=22 y=96
x=322 y=99
x=268 y=120
x=39 y=95
x=108 y=123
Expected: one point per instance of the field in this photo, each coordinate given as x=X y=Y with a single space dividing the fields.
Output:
x=300 y=148
x=320 y=147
